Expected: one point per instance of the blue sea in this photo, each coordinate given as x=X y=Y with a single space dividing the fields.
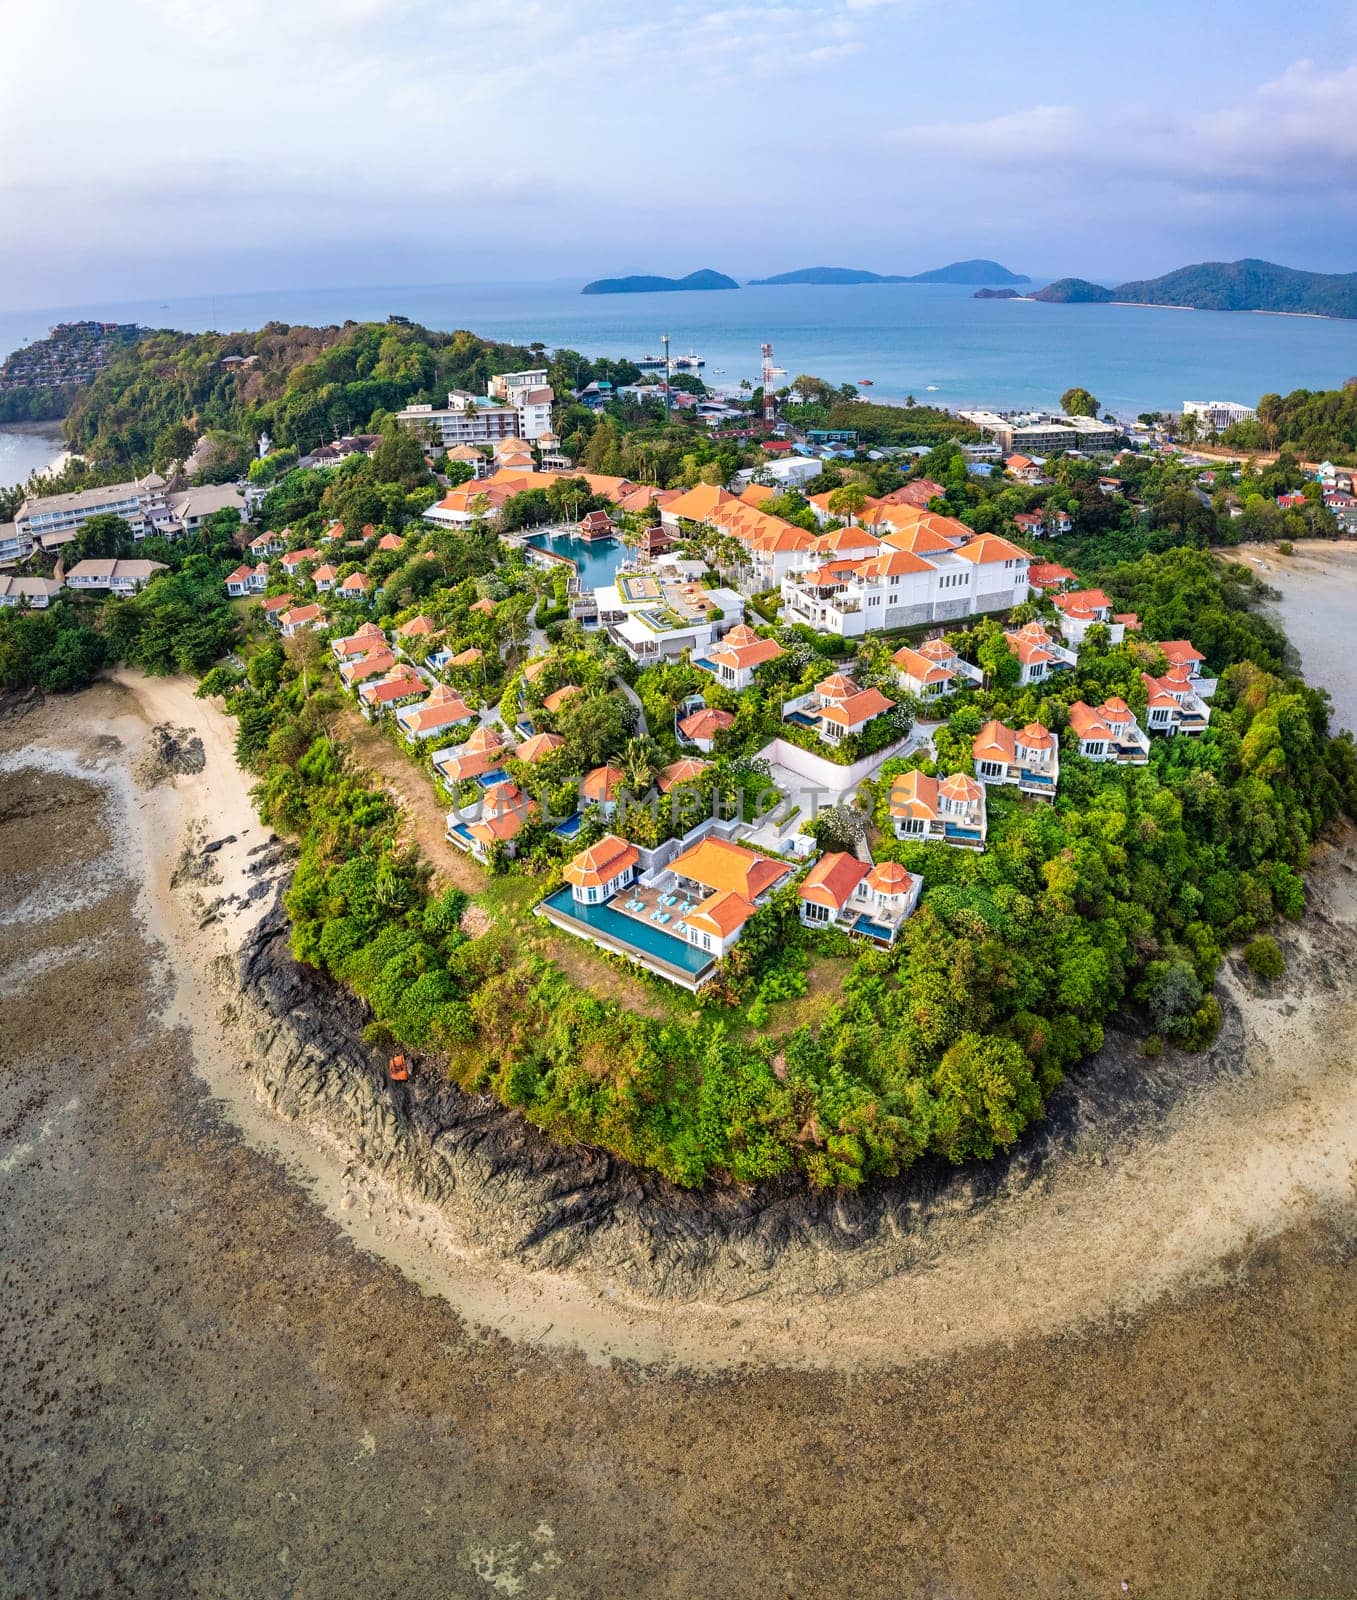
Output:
x=934 y=341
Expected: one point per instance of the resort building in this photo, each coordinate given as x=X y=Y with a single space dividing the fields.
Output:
x=870 y=902
x=1045 y=576
x=504 y=809
x=1039 y=433
x=1172 y=704
x=51 y=520
x=1214 y=416
x=479 y=757
x=530 y=395
x=837 y=708
x=443 y=709
x=324 y=577
x=117 y=577
x=1029 y=758
x=538 y=747
x=355 y=587
x=687 y=769
x=1081 y=609
x=299 y=619
x=247 y=580
x=1109 y=732
x=918 y=575
x=36 y=592
x=1180 y=655
x=295 y=559
x=739 y=654
x=358 y=669
x=934 y=669
x=369 y=640
x=939 y=810
x=656 y=617
x=401 y=686
x=1038 y=653
x=466 y=419
x=678 y=916
x=701 y=727
x=483 y=500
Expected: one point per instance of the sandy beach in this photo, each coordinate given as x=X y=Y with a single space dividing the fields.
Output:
x=269 y=1371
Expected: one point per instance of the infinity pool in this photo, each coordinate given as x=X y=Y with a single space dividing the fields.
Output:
x=596 y=560
x=630 y=935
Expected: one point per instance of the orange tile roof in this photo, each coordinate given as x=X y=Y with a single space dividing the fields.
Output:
x=538 y=746
x=602 y=783
x=301 y=614
x=390 y=541
x=746 y=653
x=706 y=723
x=756 y=493
x=466 y=658
x=919 y=667
x=857 y=708
x=1179 y=652
x=831 y=881
x=372 y=666
x=987 y=547
x=602 y=862
x=837 y=686
x=960 y=787
x=722 y=914
x=558 y=697
x=402 y=682
x=730 y=868
x=681 y=771
x=914 y=794
x=485 y=607
x=416 y=628
x=892 y=563
x=443 y=709
x=503 y=812
x=357 y=582
x=1086 y=600
x=919 y=540
x=847 y=539
x=889 y=877
x=993 y=742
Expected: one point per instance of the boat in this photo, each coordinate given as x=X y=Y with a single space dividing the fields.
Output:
x=864 y=383
x=689 y=363
x=649 y=363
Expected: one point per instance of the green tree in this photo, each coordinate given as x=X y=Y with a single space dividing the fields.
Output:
x=100 y=538
x=1078 y=403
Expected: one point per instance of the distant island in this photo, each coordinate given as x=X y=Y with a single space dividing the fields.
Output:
x=1223 y=286
x=996 y=294
x=1074 y=292
x=961 y=272
x=644 y=284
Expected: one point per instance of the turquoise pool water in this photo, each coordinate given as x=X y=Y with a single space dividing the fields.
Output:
x=630 y=934
x=596 y=560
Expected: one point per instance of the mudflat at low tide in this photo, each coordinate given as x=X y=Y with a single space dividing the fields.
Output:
x=211 y=1389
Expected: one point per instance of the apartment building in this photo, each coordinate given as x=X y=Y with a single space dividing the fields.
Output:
x=50 y=520
x=1214 y=416
x=1039 y=433
x=530 y=395
x=466 y=419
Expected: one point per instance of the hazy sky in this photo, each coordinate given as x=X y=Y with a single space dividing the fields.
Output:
x=154 y=147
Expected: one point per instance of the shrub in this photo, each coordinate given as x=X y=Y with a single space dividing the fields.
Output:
x=1264 y=958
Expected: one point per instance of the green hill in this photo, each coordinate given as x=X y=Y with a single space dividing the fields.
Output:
x=1073 y=292
x=988 y=273
x=1248 y=286
x=643 y=284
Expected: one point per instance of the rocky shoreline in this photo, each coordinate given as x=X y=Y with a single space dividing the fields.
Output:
x=519 y=1196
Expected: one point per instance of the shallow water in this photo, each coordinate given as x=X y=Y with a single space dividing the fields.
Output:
x=1318 y=610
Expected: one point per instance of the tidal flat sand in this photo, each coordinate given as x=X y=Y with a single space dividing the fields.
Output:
x=1132 y=1377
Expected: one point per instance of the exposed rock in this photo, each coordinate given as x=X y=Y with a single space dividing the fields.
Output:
x=168 y=752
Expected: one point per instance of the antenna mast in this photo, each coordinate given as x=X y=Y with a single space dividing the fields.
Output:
x=664 y=340
x=769 y=405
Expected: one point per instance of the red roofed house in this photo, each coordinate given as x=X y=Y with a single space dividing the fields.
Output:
x=603 y=870
x=1038 y=653
x=481 y=754
x=1172 y=704
x=729 y=883
x=360 y=668
x=538 y=747
x=238 y=582
x=870 y=901
x=939 y=810
x=1080 y=609
x=1029 y=758
x=687 y=769
x=1179 y=653
x=274 y=607
x=601 y=787
x=918 y=493
x=837 y=708
x=443 y=709
x=558 y=697
x=355 y=586
x=294 y=558
x=365 y=642
x=933 y=669
x=737 y=656
x=296 y=619
x=1024 y=469
x=324 y=577
x=1046 y=575
x=504 y=810
x=390 y=541
x=1109 y=732
x=399 y=687
x=701 y=727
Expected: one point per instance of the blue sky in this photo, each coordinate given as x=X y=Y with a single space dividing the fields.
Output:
x=164 y=147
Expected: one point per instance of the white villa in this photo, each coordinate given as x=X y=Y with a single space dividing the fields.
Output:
x=933 y=669
x=1109 y=732
x=1038 y=653
x=939 y=810
x=655 y=617
x=872 y=902
x=1029 y=758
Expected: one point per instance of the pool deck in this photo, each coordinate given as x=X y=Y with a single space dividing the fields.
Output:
x=651 y=946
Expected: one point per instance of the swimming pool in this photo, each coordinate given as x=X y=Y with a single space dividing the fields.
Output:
x=596 y=560
x=629 y=935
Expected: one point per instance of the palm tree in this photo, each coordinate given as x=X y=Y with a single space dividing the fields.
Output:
x=638 y=764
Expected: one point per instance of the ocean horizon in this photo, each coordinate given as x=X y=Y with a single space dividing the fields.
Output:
x=935 y=342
